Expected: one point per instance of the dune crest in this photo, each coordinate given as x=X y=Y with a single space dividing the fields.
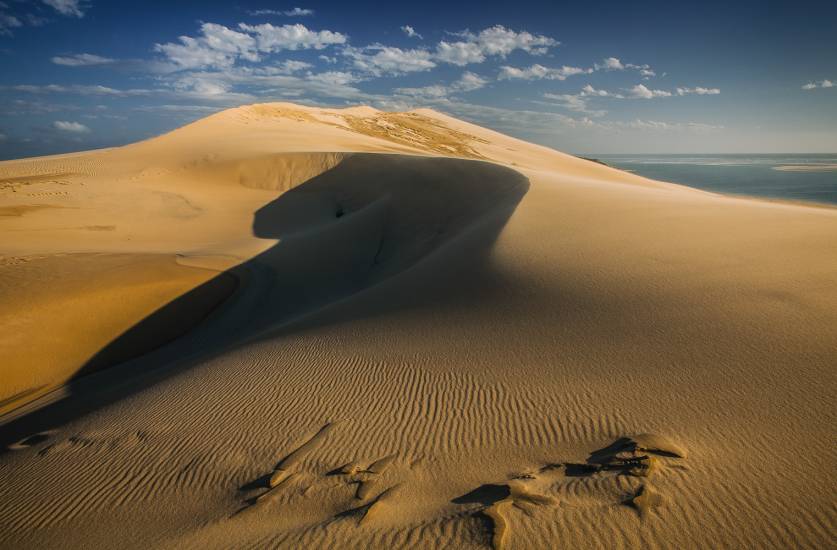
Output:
x=289 y=326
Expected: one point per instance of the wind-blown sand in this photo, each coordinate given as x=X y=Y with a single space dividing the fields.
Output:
x=285 y=326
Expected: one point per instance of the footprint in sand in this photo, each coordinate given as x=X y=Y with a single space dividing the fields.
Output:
x=642 y=455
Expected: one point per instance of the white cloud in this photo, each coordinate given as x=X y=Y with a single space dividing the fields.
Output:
x=640 y=91
x=539 y=72
x=220 y=47
x=493 y=41
x=328 y=59
x=82 y=60
x=615 y=64
x=332 y=78
x=77 y=89
x=72 y=127
x=8 y=22
x=381 y=60
x=265 y=82
x=66 y=7
x=589 y=90
x=293 y=66
x=291 y=37
x=610 y=64
x=571 y=102
x=656 y=125
x=459 y=53
x=578 y=102
x=289 y=66
x=178 y=108
x=468 y=82
x=820 y=84
x=202 y=87
x=698 y=90
x=411 y=32
x=295 y=12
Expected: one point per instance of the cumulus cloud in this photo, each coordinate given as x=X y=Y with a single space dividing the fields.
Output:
x=411 y=32
x=72 y=8
x=295 y=12
x=381 y=60
x=220 y=47
x=493 y=41
x=610 y=64
x=698 y=90
x=615 y=64
x=72 y=127
x=539 y=72
x=820 y=84
x=292 y=37
x=82 y=60
x=640 y=91
x=589 y=90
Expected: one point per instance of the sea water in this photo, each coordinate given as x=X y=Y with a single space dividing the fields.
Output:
x=808 y=177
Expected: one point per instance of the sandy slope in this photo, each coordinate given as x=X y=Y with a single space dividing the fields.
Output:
x=374 y=346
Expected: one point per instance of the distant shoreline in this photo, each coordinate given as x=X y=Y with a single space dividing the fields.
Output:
x=807 y=168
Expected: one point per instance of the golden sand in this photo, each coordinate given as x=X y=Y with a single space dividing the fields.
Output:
x=285 y=326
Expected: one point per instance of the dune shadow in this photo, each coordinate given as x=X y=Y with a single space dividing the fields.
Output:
x=352 y=231
x=486 y=495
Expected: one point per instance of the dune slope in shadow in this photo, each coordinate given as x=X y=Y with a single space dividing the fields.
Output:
x=361 y=222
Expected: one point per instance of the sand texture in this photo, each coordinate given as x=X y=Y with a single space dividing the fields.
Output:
x=296 y=327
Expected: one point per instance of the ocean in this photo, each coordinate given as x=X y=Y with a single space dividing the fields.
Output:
x=809 y=177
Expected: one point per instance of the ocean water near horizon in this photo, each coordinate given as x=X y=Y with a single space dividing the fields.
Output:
x=798 y=177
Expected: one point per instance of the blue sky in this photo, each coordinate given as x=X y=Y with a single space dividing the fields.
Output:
x=593 y=77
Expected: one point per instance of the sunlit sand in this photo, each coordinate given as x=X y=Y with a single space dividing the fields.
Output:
x=285 y=326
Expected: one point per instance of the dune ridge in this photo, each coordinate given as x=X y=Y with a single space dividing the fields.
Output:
x=437 y=336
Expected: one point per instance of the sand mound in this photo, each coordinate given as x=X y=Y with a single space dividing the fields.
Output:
x=351 y=328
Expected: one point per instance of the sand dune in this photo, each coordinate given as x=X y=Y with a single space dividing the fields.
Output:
x=284 y=326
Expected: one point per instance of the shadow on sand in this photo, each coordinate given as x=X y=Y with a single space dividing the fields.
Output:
x=376 y=233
